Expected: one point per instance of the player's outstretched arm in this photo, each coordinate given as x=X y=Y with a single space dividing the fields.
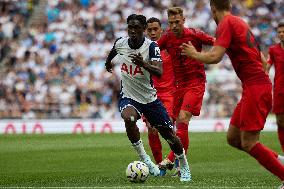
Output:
x=264 y=62
x=108 y=63
x=213 y=56
x=269 y=62
x=153 y=67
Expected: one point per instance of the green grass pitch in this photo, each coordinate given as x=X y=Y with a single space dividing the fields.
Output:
x=100 y=160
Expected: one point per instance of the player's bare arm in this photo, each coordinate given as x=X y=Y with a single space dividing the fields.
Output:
x=213 y=56
x=268 y=66
x=154 y=67
x=264 y=62
x=108 y=63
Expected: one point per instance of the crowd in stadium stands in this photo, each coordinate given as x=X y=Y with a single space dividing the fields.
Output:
x=56 y=69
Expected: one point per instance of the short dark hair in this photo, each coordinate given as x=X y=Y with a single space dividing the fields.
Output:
x=139 y=17
x=221 y=5
x=153 y=19
x=280 y=24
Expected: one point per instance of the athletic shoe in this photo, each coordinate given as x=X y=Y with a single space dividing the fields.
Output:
x=166 y=164
x=153 y=168
x=185 y=175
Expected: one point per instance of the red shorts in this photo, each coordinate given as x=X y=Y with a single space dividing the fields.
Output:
x=253 y=108
x=278 y=102
x=168 y=101
x=189 y=99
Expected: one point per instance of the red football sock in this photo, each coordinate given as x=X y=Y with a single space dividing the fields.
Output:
x=156 y=146
x=281 y=137
x=182 y=133
x=268 y=160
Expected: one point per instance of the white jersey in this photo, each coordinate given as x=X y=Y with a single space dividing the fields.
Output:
x=136 y=82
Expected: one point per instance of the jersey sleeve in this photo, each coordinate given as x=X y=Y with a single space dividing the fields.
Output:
x=154 y=52
x=113 y=52
x=115 y=43
x=223 y=35
x=271 y=57
x=205 y=38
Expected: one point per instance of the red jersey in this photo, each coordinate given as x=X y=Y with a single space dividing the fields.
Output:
x=165 y=84
x=276 y=57
x=234 y=34
x=186 y=70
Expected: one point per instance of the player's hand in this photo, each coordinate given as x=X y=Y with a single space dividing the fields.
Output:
x=187 y=49
x=137 y=59
x=109 y=66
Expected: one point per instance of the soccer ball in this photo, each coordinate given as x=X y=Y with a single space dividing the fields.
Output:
x=137 y=171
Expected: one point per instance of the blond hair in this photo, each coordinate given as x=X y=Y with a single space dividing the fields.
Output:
x=175 y=11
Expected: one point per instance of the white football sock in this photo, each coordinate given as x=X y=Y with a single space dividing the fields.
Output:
x=182 y=159
x=281 y=159
x=138 y=146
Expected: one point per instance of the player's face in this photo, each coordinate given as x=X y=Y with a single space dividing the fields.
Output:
x=154 y=31
x=135 y=30
x=176 y=23
x=280 y=32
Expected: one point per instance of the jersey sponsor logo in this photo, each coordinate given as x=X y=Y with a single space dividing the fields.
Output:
x=131 y=70
x=157 y=51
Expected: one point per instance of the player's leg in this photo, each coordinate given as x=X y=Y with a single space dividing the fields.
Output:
x=167 y=163
x=129 y=113
x=154 y=142
x=182 y=133
x=280 y=125
x=278 y=109
x=182 y=127
x=256 y=105
x=265 y=156
x=130 y=117
x=191 y=102
x=157 y=115
x=234 y=132
x=234 y=137
x=176 y=146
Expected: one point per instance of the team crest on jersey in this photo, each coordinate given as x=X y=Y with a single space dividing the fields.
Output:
x=157 y=51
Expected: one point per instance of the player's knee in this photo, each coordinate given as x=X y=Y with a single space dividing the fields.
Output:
x=247 y=146
x=129 y=121
x=232 y=141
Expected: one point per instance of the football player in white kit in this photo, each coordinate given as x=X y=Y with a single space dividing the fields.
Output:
x=140 y=58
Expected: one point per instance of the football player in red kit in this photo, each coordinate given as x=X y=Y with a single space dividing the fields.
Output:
x=276 y=58
x=189 y=74
x=164 y=86
x=234 y=37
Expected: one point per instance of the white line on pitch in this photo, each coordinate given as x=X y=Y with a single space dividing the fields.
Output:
x=134 y=186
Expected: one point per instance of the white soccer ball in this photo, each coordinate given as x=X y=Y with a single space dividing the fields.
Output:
x=137 y=171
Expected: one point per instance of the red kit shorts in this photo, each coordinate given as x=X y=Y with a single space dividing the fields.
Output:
x=251 y=111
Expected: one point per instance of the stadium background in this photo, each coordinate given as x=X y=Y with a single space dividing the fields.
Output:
x=53 y=53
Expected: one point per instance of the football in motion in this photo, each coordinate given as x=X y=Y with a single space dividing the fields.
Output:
x=137 y=171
